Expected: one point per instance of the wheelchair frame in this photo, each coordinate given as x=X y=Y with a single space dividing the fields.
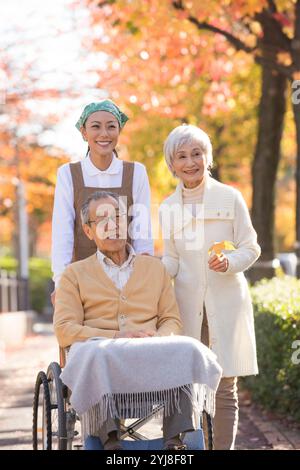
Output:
x=55 y=421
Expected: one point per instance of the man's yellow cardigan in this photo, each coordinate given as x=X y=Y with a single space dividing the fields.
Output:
x=89 y=304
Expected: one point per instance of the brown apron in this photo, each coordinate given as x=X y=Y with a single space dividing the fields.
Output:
x=83 y=247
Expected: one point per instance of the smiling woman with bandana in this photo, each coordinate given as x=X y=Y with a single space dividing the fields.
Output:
x=100 y=125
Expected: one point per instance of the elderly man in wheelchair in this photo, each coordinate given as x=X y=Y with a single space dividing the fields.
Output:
x=117 y=313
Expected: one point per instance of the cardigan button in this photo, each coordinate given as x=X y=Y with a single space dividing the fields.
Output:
x=123 y=297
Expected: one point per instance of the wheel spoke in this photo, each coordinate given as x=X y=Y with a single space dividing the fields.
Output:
x=58 y=416
x=41 y=431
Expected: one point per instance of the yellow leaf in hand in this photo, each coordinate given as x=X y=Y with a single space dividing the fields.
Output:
x=217 y=247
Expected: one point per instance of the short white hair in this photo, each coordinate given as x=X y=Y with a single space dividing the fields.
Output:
x=187 y=134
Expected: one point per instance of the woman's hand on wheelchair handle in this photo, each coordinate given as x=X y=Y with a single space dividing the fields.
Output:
x=52 y=296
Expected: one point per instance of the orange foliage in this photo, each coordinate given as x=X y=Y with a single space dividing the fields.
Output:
x=154 y=52
x=21 y=156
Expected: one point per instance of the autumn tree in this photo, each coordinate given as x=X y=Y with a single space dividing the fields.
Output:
x=155 y=47
x=36 y=166
x=22 y=156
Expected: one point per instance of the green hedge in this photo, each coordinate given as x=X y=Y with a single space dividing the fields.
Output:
x=277 y=323
x=39 y=278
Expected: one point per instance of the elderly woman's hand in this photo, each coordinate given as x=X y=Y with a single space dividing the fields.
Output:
x=218 y=263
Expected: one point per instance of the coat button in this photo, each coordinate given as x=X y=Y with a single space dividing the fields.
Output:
x=123 y=297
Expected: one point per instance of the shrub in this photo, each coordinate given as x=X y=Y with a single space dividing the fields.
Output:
x=39 y=279
x=277 y=323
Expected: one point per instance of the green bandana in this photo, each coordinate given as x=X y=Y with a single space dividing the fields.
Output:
x=105 y=105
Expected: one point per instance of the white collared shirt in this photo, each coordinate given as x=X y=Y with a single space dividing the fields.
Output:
x=64 y=212
x=118 y=274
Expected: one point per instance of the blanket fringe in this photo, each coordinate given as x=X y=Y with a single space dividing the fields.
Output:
x=138 y=405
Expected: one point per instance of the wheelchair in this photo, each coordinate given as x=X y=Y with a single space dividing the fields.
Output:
x=56 y=425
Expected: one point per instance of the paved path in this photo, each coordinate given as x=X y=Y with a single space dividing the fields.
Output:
x=18 y=371
x=17 y=380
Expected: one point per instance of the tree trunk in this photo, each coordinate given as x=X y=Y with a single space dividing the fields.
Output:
x=264 y=170
x=296 y=108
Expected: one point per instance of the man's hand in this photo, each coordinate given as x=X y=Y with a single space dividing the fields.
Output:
x=134 y=334
x=52 y=296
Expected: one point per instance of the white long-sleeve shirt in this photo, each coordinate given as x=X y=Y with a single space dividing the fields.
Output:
x=64 y=213
x=118 y=274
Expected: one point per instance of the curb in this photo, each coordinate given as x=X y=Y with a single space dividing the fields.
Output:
x=278 y=436
x=15 y=327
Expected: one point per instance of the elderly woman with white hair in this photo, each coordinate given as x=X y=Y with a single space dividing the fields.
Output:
x=209 y=241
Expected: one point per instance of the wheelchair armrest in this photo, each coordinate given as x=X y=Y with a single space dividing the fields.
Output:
x=63 y=356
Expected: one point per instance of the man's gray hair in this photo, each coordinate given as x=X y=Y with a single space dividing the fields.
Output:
x=96 y=196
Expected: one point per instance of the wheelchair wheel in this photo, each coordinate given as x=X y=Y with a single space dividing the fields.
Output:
x=209 y=431
x=58 y=412
x=41 y=430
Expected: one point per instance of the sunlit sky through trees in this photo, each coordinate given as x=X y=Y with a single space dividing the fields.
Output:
x=46 y=37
